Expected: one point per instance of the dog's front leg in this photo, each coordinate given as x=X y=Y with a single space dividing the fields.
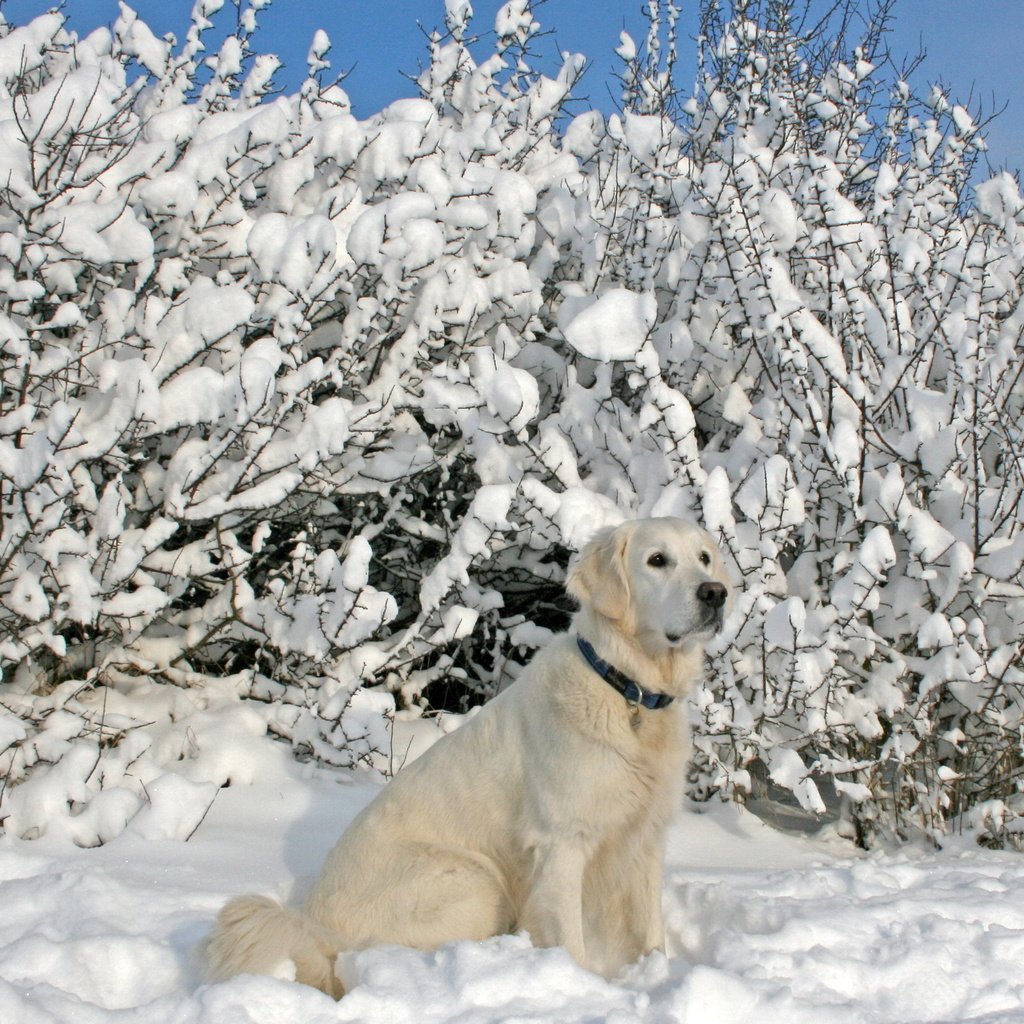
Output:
x=553 y=910
x=644 y=909
x=643 y=901
x=622 y=904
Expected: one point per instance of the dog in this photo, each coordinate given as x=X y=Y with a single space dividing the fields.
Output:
x=544 y=812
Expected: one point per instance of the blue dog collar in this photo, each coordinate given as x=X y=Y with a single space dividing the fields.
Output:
x=633 y=693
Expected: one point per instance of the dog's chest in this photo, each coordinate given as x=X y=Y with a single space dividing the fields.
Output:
x=640 y=771
x=654 y=768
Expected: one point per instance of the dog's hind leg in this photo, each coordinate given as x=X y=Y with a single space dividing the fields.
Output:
x=419 y=894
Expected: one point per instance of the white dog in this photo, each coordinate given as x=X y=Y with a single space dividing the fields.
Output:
x=544 y=812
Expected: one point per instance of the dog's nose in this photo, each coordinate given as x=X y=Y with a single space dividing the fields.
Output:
x=712 y=594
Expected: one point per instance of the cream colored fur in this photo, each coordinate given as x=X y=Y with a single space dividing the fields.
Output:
x=546 y=811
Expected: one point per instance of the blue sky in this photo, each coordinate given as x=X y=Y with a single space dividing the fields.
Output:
x=975 y=48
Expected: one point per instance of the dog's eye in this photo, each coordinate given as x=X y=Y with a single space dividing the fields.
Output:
x=657 y=560
x=705 y=558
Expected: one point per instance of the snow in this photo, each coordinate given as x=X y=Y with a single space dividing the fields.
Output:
x=780 y=219
x=11 y=730
x=614 y=326
x=486 y=515
x=514 y=22
x=788 y=769
x=785 y=622
x=762 y=925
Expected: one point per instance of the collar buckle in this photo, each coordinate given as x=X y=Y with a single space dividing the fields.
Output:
x=631 y=691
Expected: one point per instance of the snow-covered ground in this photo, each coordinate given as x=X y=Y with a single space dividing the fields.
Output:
x=763 y=927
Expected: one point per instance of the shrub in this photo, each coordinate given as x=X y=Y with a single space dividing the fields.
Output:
x=302 y=415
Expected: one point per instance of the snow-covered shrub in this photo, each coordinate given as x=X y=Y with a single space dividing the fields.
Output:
x=301 y=415
x=255 y=354
x=863 y=413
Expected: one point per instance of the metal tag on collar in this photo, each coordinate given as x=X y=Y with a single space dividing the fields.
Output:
x=634 y=706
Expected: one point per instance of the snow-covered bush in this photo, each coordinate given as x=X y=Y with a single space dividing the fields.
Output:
x=301 y=415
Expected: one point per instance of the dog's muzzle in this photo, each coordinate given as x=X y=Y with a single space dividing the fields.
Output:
x=711 y=598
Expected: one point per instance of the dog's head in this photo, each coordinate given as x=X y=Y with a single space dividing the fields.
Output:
x=661 y=581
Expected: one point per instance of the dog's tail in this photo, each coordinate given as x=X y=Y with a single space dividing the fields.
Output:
x=256 y=935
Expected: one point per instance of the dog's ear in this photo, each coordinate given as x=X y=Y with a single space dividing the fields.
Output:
x=597 y=577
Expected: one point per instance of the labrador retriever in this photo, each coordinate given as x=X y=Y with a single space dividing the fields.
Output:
x=544 y=812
